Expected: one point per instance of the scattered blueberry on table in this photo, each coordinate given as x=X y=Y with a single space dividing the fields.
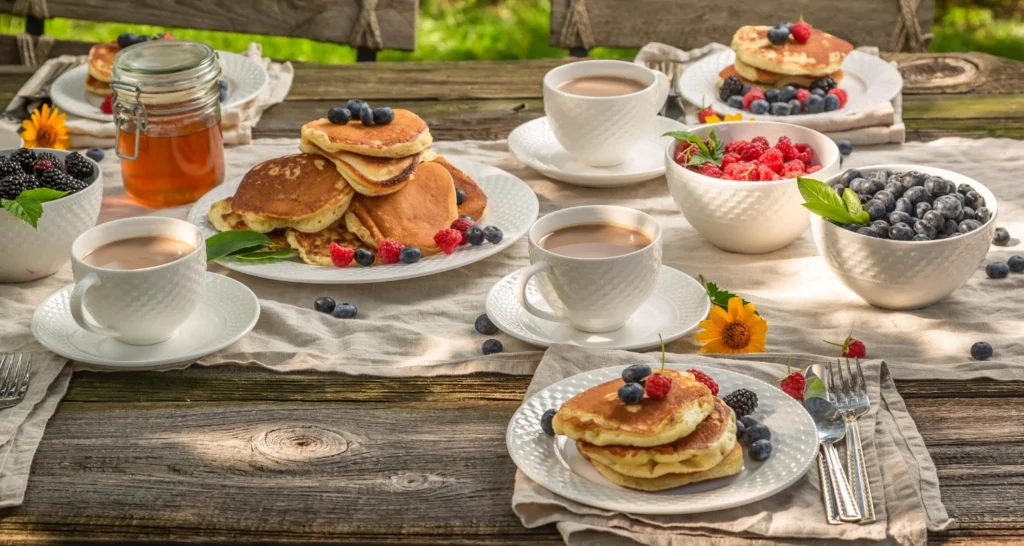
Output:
x=1001 y=237
x=981 y=351
x=95 y=154
x=997 y=270
x=492 y=346
x=344 y=310
x=324 y=305
x=1016 y=264
x=484 y=325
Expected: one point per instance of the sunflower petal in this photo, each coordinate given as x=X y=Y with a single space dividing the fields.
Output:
x=735 y=306
x=717 y=346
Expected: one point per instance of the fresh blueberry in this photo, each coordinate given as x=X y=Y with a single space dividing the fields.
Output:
x=839 y=189
x=366 y=115
x=759 y=107
x=354 y=106
x=845 y=146
x=746 y=89
x=982 y=214
x=997 y=270
x=916 y=194
x=814 y=104
x=222 y=94
x=383 y=115
x=901 y=232
x=339 y=116
x=882 y=174
x=964 y=188
x=475 y=236
x=741 y=429
x=817 y=91
x=968 y=225
x=935 y=219
x=631 y=393
x=781 y=109
x=914 y=178
x=344 y=310
x=921 y=237
x=324 y=304
x=899 y=217
x=735 y=101
x=926 y=229
x=771 y=95
x=410 y=255
x=849 y=176
x=951 y=227
x=492 y=346
x=870 y=232
x=858 y=185
x=465 y=217
x=787 y=93
x=966 y=213
x=545 y=422
x=936 y=185
x=636 y=373
x=895 y=188
x=875 y=209
x=748 y=420
x=761 y=449
x=831 y=103
x=922 y=208
x=981 y=351
x=948 y=206
x=887 y=199
x=864 y=198
x=852 y=227
x=484 y=325
x=95 y=154
x=364 y=257
x=126 y=39
x=974 y=200
x=1016 y=264
x=778 y=34
x=795 y=107
x=873 y=186
x=757 y=432
x=904 y=205
x=460 y=197
x=960 y=197
x=493 y=234
x=1001 y=237
x=882 y=227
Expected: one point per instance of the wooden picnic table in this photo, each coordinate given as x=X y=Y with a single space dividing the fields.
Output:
x=245 y=455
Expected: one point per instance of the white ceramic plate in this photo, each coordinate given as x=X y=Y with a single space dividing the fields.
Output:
x=245 y=80
x=868 y=81
x=511 y=206
x=228 y=311
x=677 y=306
x=555 y=464
x=534 y=144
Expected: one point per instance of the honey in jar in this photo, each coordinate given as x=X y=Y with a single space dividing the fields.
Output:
x=167 y=112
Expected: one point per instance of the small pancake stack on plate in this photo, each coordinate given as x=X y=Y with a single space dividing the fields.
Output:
x=762 y=63
x=688 y=436
x=101 y=64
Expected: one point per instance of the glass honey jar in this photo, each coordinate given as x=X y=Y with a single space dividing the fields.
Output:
x=167 y=112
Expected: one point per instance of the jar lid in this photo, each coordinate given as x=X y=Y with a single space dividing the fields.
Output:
x=177 y=73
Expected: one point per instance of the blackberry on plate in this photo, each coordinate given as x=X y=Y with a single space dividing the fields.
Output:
x=8 y=167
x=78 y=166
x=742 y=401
x=25 y=158
x=12 y=186
x=61 y=181
x=731 y=86
x=825 y=84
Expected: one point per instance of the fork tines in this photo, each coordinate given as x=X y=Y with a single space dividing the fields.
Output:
x=14 y=372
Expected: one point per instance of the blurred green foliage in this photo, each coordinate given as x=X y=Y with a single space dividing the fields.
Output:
x=518 y=29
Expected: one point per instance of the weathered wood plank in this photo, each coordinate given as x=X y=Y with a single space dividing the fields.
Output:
x=325 y=20
x=9 y=54
x=634 y=23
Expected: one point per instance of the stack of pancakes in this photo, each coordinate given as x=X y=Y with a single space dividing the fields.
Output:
x=762 y=63
x=101 y=63
x=355 y=186
x=686 y=437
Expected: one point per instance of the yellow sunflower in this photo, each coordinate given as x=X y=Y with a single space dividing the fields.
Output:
x=728 y=117
x=738 y=330
x=46 y=129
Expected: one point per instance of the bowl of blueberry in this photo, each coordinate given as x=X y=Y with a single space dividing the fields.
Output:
x=917 y=233
x=49 y=198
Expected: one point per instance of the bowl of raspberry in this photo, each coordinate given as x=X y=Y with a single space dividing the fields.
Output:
x=60 y=193
x=737 y=185
x=924 y=233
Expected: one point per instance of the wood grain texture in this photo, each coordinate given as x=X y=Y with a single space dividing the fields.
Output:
x=325 y=20
x=634 y=23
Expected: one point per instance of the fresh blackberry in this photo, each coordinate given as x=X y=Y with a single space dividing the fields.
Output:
x=25 y=158
x=12 y=186
x=61 y=181
x=825 y=84
x=78 y=166
x=8 y=167
x=742 y=401
x=49 y=157
x=731 y=86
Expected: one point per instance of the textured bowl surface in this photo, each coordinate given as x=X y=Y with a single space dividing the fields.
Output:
x=748 y=217
x=30 y=254
x=905 y=274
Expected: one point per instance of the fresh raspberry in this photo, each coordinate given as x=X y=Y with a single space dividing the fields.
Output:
x=755 y=93
x=729 y=159
x=760 y=141
x=806 y=156
x=773 y=159
x=764 y=174
x=813 y=169
x=703 y=115
x=684 y=152
x=462 y=224
x=706 y=379
x=657 y=386
x=736 y=147
x=851 y=347
x=801 y=95
x=389 y=250
x=341 y=256
x=42 y=165
x=801 y=31
x=448 y=239
x=785 y=145
x=794 y=385
x=793 y=169
x=744 y=170
x=108 y=105
x=752 y=152
x=712 y=170
x=841 y=93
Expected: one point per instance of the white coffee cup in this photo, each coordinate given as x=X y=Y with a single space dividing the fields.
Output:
x=602 y=131
x=592 y=294
x=137 y=306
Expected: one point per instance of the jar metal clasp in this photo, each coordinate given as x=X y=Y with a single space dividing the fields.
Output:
x=122 y=114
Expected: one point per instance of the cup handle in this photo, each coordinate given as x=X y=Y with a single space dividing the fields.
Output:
x=524 y=279
x=78 y=308
x=664 y=87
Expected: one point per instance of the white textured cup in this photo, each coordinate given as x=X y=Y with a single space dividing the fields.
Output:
x=592 y=294
x=602 y=131
x=137 y=306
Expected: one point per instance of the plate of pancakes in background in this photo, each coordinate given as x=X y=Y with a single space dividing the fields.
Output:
x=355 y=186
x=81 y=90
x=868 y=80
x=674 y=455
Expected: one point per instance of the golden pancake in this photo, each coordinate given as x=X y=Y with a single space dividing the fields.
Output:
x=373 y=176
x=755 y=76
x=225 y=219
x=301 y=191
x=411 y=216
x=101 y=60
x=476 y=200
x=315 y=248
x=731 y=465
x=97 y=87
x=598 y=417
x=822 y=55
x=713 y=439
x=407 y=135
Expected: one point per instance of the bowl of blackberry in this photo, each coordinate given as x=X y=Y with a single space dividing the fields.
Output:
x=901 y=236
x=49 y=198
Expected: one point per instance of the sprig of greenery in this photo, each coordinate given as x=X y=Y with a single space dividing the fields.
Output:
x=719 y=296
x=245 y=245
x=822 y=200
x=705 y=154
x=28 y=205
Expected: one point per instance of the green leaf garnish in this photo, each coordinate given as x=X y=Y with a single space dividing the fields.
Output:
x=28 y=206
x=227 y=243
x=815 y=388
x=719 y=296
x=839 y=216
x=852 y=201
x=822 y=200
x=42 y=195
x=272 y=255
x=704 y=154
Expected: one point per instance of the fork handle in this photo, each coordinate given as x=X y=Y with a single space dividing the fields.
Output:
x=858 y=472
x=847 y=505
x=828 y=495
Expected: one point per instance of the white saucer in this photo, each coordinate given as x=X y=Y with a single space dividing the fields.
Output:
x=677 y=306
x=534 y=144
x=228 y=311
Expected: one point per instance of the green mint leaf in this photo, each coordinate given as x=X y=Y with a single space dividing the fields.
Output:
x=42 y=195
x=815 y=388
x=828 y=212
x=686 y=136
x=232 y=242
x=862 y=218
x=679 y=135
x=719 y=297
x=718 y=150
x=265 y=255
x=852 y=201
x=816 y=191
x=25 y=209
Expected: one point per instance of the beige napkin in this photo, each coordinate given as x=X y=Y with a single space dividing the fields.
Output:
x=902 y=476
x=880 y=124
x=236 y=123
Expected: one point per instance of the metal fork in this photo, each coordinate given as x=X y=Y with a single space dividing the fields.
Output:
x=851 y=397
x=673 y=70
x=14 y=372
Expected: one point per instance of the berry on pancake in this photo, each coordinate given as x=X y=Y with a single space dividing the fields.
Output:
x=801 y=31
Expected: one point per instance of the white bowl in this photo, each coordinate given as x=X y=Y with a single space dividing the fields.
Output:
x=748 y=217
x=29 y=254
x=905 y=274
